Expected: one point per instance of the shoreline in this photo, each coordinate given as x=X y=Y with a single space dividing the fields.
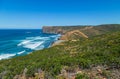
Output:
x=18 y=54
x=57 y=42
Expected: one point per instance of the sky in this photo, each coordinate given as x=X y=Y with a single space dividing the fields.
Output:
x=33 y=14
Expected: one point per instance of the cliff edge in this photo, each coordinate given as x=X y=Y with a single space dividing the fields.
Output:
x=77 y=32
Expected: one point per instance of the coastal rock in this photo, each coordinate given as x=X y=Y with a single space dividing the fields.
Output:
x=55 y=30
x=88 y=30
x=68 y=33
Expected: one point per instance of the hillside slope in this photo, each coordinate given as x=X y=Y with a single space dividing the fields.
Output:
x=97 y=57
x=73 y=35
x=89 y=31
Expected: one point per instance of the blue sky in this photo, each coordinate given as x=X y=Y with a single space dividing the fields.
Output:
x=37 y=13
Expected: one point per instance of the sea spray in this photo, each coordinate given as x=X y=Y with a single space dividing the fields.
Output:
x=19 y=42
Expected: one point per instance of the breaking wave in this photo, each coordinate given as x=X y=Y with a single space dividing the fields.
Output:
x=32 y=45
x=5 y=56
x=23 y=43
x=21 y=52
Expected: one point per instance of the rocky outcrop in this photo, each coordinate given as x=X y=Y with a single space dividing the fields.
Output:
x=86 y=29
x=55 y=30
x=77 y=32
x=63 y=29
x=67 y=32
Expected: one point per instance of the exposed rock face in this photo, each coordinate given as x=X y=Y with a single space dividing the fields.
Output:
x=56 y=30
x=63 y=29
x=85 y=29
x=68 y=32
x=76 y=32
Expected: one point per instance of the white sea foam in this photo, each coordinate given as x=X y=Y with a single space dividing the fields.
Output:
x=21 y=52
x=5 y=56
x=37 y=38
x=32 y=42
x=40 y=47
x=55 y=36
x=33 y=45
x=24 y=42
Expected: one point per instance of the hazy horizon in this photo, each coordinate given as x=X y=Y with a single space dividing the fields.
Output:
x=33 y=14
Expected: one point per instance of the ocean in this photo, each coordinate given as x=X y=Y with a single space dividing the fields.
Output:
x=19 y=42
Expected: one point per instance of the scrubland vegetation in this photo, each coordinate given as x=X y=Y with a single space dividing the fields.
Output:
x=103 y=50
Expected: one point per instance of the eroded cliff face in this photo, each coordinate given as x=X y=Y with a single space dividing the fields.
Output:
x=77 y=32
x=55 y=30
x=68 y=32
x=63 y=29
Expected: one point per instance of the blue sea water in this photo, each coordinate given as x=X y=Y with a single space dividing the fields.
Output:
x=17 y=42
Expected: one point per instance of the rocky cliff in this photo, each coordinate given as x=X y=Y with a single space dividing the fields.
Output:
x=53 y=29
x=64 y=29
x=76 y=32
x=61 y=29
